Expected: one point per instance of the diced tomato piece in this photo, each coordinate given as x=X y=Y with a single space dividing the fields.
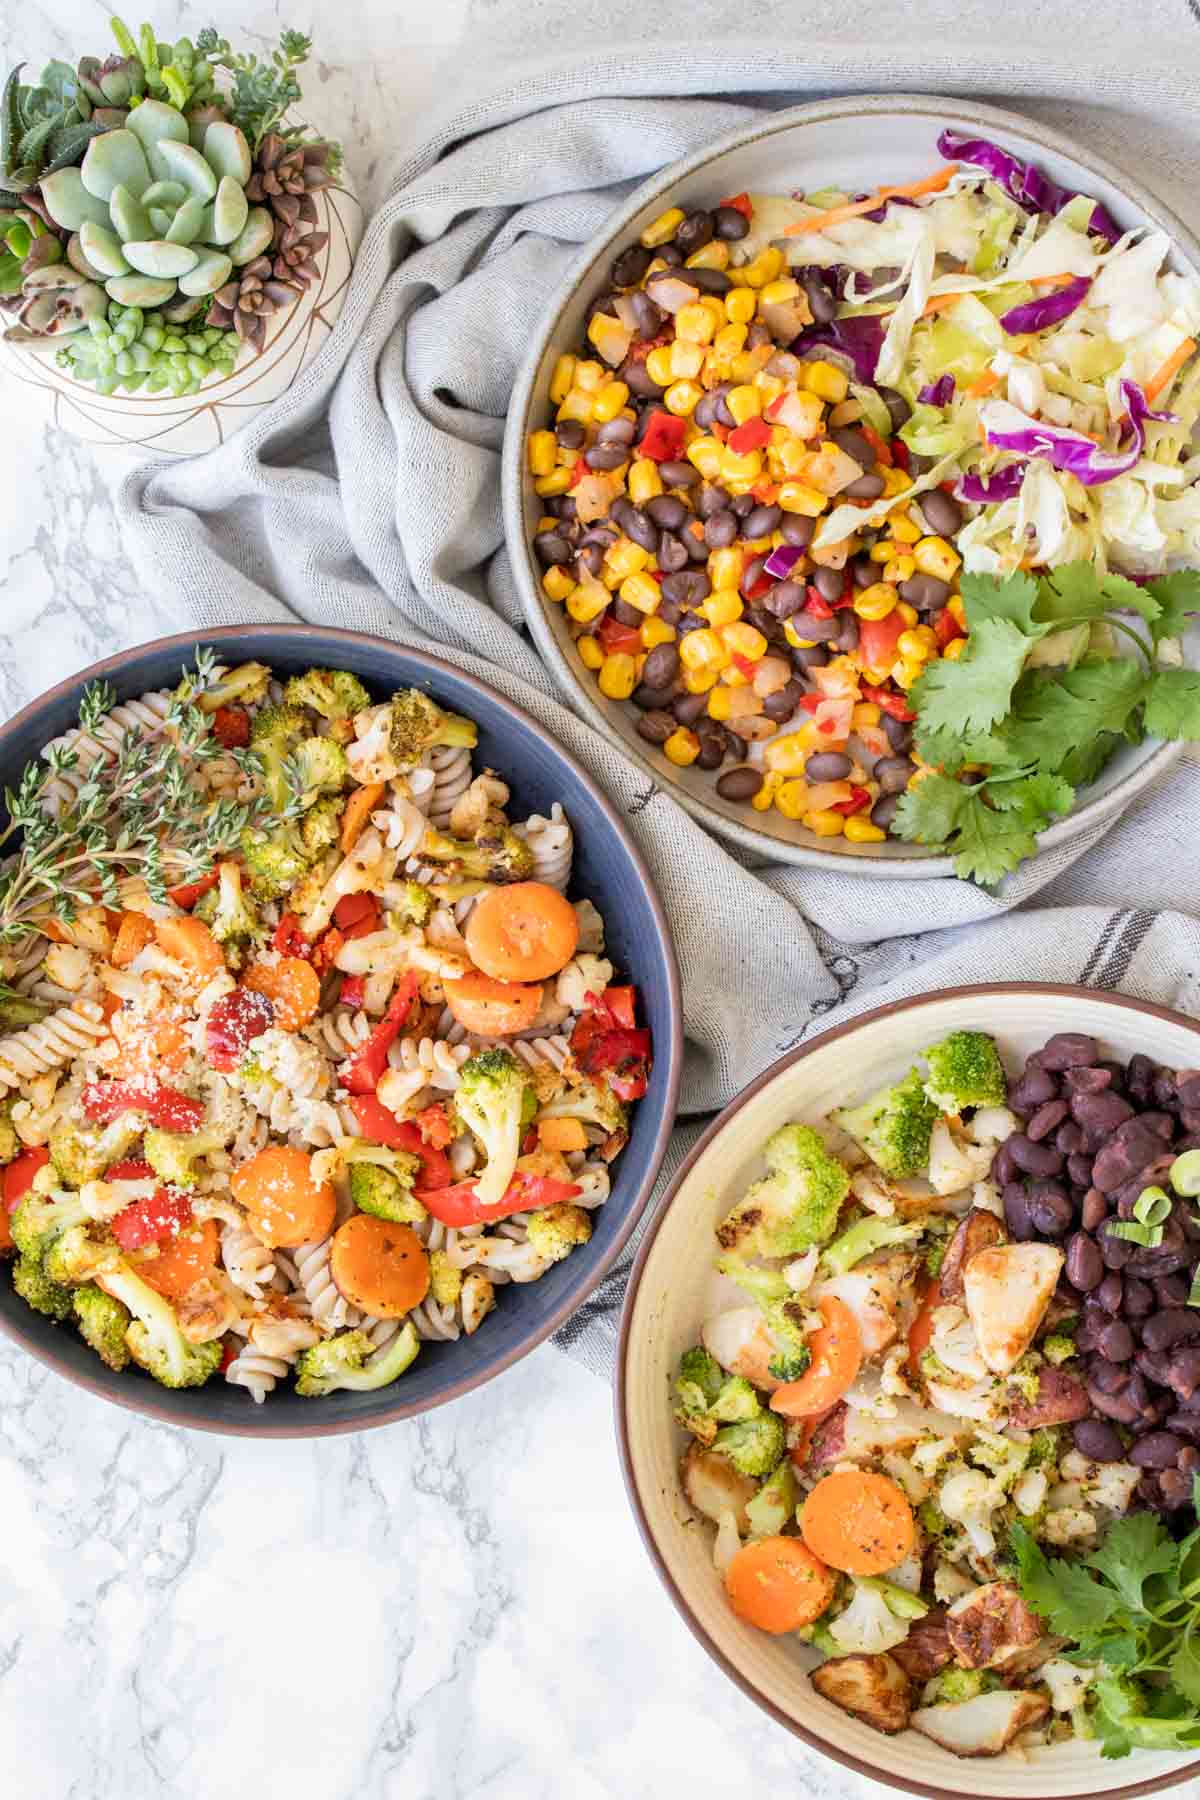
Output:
x=878 y=638
x=946 y=627
x=234 y=1021
x=324 y=951
x=162 y=1105
x=900 y=453
x=578 y=472
x=163 y=1215
x=362 y=1077
x=663 y=437
x=641 y=347
x=762 y=584
x=228 y=1355
x=615 y=638
x=740 y=203
x=750 y=435
x=18 y=1176
x=354 y=991
x=434 y=1125
x=743 y=665
x=816 y=605
x=353 y=907
x=859 y=797
x=187 y=895
x=766 y=492
x=231 y=727
x=811 y=702
x=288 y=938
x=459 y=1205
x=881 y=447
x=132 y=1169
x=383 y=1127
x=888 y=702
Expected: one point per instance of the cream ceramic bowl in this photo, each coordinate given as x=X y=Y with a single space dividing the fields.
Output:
x=672 y=1289
x=169 y=425
x=849 y=143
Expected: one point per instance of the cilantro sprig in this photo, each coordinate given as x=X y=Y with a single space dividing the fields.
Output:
x=1132 y=1606
x=1017 y=725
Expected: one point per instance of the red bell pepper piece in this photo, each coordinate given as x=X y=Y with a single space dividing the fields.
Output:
x=615 y=638
x=616 y=1006
x=743 y=665
x=895 y=704
x=810 y=702
x=164 y=1215
x=187 y=895
x=621 y=1054
x=132 y=1169
x=104 y=1101
x=362 y=1077
x=354 y=991
x=816 y=605
x=229 y=1354
x=351 y=909
x=882 y=449
x=900 y=453
x=859 y=797
x=662 y=439
x=761 y=585
x=460 y=1205
x=878 y=638
x=231 y=727
x=288 y=939
x=434 y=1125
x=578 y=472
x=383 y=1127
x=750 y=435
x=18 y=1176
x=233 y=1022
x=946 y=627
x=739 y=203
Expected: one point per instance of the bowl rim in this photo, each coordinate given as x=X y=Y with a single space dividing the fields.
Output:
x=950 y=111
x=151 y=1406
x=892 y=1008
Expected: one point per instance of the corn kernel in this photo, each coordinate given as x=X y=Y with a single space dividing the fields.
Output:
x=744 y=640
x=795 y=497
x=729 y=340
x=825 y=823
x=644 y=481
x=901 y=568
x=723 y=607
x=557 y=482
x=703 y=650
x=699 y=681
x=880 y=551
x=587 y=602
x=826 y=380
x=558 y=584
x=765 y=267
x=859 y=830
x=543 y=452
x=769 y=387
x=562 y=380
x=908 y=613
x=732 y=677
x=956 y=609
x=682 y=747
x=591 y=375
x=695 y=324
x=643 y=592
x=739 y=306
x=778 y=292
x=913 y=648
x=746 y=467
x=611 y=579
x=657 y=631
x=934 y=556
x=746 y=366
x=791 y=798
x=591 y=652
x=704 y=454
x=609 y=401
x=793 y=636
x=903 y=529
x=624 y=557
x=721 y=702
x=744 y=403
x=713 y=255
x=686 y=360
x=682 y=398
x=876 y=601
x=725 y=567
x=658 y=365
x=618 y=676
x=866 y=713
x=906 y=671
x=661 y=231
x=954 y=649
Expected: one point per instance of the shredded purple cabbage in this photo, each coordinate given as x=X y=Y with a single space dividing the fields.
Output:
x=1102 y=224
x=1047 y=309
x=1070 y=450
x=937 y=393
x=782 y=561
x=1002 y=484
x=859 y=340
x=1023 y=181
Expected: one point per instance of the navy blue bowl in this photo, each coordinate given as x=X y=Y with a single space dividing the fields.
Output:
x=608 y=871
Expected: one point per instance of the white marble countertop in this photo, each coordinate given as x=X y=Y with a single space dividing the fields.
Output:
x=455 y=1607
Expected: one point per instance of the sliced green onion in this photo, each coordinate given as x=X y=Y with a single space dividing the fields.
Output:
x=1193 y=1298
x=1134 y=1232
x=1185 y=1174
x=1152 y=1206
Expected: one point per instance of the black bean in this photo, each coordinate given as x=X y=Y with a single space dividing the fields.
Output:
x=551 y=547
x=1079 y=1166
x=893 y=773
x=676 y=475
x=884 y=811
x=1068 y=1049
x=940 y=511
x=591 y=558
x=1097 y=1440
x=813 y=656
x=1069 y=1139
x=897 y=732
x=1094 y=1210
x=1187 y=1089
x=1050 y=1208
x=1035 y=1159
x=629 y=267
x=1116 y=1341
x=898 y=408
x=855 y=445
x=1016 y=1212
x=1108 y=1377
x=926 y=592
x=814 y=630
x=668 y=511
x=864 y=572
x=720 y=529
x=762 y=521
x=1174 y=1325
x=1045 y=1120
x=1124 y=1156
x=639 y=381
x=1157 y=1450
x=712 y=751
x=740 y=784
x=1120 y=1407
x=710 y=281
x=1183 y=1374
x=616 y=431
x=829 y=584
x=1108 y=1295
x=784 y=599
x=821 y=302
x=687 y=587
x=605 y=456
x=625 y=614
x=797 y=530
x=1085 y=1266
x=742 y=507
x=652 y=699
x=1161 y=1123
x=655 y=727
x=758 y=335
x=635 y=524
x=1155 y=1365
x=1172 y=1290
x=867 y=487
x=690 y=621
x=750 y=574
x=847 y=637
x=1088 y=1080
x=1004 y=1169
x=671 y=554
x=661 y=666
x=1033 y=1089
x=827 y=765
x=648 y=318
x=688 y=707
x=783 y=702
x=1175 y=1486
x=1139 y=1297
x=694 y=233
x=1115 y=1251
x=694 y=544
x=730 y=223
x=1140 y=1072
x=570 y=434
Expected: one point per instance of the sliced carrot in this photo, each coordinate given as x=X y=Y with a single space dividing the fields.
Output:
x=859 y=1522
x=778 y=1584
x=111 y=1005
x=182 y=1260
x=1167 y=371
x=522 y=933
x=837 y=1353
x=359 y=807
x=190 y=942
x=489 y=1008
x=152 y=1046
x=379 y=1266
x=292 y=986
x=285 y=1205
x=562 y=1134
x=987 y=381
x=909 y=190
x=133 y=934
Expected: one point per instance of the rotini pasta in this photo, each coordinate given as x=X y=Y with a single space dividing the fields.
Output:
x=553 y=846
x=52 y=1043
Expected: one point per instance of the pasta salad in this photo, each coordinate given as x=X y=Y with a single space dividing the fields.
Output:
x=306 y=1052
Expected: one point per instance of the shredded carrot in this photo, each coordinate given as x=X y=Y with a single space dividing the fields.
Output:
x=1166 y=372
x=987 y=381
x=939 y=302
x=909 y=190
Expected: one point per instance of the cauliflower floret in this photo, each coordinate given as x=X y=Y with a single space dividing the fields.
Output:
x=800 y=1271
x=1068 y=1525
x=916 y=1487
x=1067 y=1682
x=949 y=1583
x=985 y=1197
x=984 y=1401
x=69 y=966
x=955 y=1344
x=991 y=1125
x=280 y=1059
x=868 y=1626
x=1029 y=1495
x=1109 y=1485
x=953 y=1164
x=929 y=1456
x=727 y=1543
x=370 y=756
x=582 y=976
x=969 y=1498
x=869 y=1190
x=591 y=927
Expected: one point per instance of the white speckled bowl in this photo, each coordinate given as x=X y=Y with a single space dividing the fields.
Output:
x=671 y=1289
x=167 y=425
x=847 y=143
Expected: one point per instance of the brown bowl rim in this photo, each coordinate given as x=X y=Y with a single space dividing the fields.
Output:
x=1061 y=990
x=151 y=1406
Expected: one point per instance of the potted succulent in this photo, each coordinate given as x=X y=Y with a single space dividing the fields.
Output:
x=173 y=248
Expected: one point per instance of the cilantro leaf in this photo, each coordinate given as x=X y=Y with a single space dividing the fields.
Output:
x=1059 y=715
x=989 y=845
x=1124 y=595
x=1071 y=592
x=1178 y=595
x=972 y=694
x=1034 y=800
x=1062 y=1593
x=1173 y=704
x=989 y=830
x=950 y=750
x=930 y=812
x=1134 y=1548
x=1185 y=1668
x=1014 y=598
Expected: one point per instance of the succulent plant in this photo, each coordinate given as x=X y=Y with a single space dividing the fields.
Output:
x=44 y=127
x=53 y=302
x=129 y=348
x=27 y=245
x=245 y=305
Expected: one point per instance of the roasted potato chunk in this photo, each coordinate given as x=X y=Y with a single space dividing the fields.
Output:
x=927 y=1648
x=981 y=1727
x=874 y=1689
x=990 y=1625
x=980 y=1230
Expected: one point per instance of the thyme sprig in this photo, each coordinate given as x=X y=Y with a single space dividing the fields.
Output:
x=142 y=810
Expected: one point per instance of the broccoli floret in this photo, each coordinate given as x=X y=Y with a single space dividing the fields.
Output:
x=705 y=1397
x=387 y=1194
x=1058 y=1349
x=36 y=1288
x=246 y=684
x=17 y=1011
x=793 y=1207
x=41 y=1218
x=334 y=693
x=494 y=1091
x=10 y=1143
x=698 y=1369
x=864 y=1238
x=1043 y=1446
x=154 y=1339
x=939 y=1242
x=554 y=1231
x=274 y=736
x=1025 y=1378
x=171 y=1154
x=736 y=1400
x=445 y=1281
x=102 y=1323
x=769 y=1290
x=765 y=1286
x=893 y=1126
x=495 y=854
x=774 y=1504
x=414 y=904
x=81 y=1154
x=753 y=1446
x=74 y=1256
x=226 y=910
x=592 y=1102
x=934 y=1522
x=965 y=1070
x=274 y=861
x=418 y=724
x=955 y=1684
x=320 y=826
x=342 y=1362
x=318 y=766
x=306 y=896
